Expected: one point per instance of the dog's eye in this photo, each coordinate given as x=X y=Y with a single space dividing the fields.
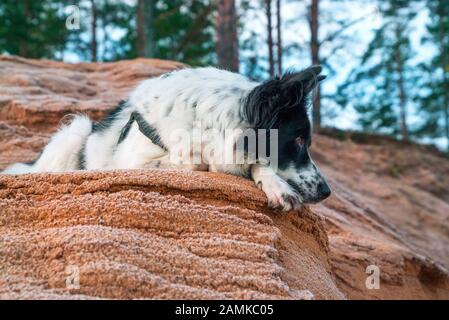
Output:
x=299 y=141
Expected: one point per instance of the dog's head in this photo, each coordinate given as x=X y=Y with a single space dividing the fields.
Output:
x=281 y=104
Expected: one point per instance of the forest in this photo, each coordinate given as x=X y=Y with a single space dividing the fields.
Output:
x=387 y=61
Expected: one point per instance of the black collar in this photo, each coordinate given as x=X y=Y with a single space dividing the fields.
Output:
x=149 y=131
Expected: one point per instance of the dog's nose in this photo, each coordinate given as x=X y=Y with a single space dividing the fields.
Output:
x=323 y=190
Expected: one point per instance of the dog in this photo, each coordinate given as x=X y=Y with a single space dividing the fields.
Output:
x=138 y=133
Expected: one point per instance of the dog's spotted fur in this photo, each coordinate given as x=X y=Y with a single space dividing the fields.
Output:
x=220 y=101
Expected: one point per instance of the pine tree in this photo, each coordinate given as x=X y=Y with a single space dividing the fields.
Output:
x=94 y=40
x=434 y=105
x=32 y=29
x=379 y=88
x=185 y=31
x=117 y=15
x=174 y=30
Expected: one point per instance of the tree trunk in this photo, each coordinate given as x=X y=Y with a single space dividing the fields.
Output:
x=270 y=37
x=150 y=47
x=444 y=64
x=93 y=44
x=403 y=108
x=446 y=97
x=315 y=54
x=279 y=36
x=400 y=83
x=145 y=29
x=446 y=122
x=23 y=48
x=141 y=28
x=227 y=41
x=445 y=106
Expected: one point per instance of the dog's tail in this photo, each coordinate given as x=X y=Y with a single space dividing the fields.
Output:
x=62 y=152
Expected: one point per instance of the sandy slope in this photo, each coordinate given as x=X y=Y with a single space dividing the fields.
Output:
x=156 y=234
x=165 y=234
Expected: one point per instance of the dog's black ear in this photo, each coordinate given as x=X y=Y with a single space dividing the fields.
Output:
x=267 y=101
x=263 y=105
x=304 y=81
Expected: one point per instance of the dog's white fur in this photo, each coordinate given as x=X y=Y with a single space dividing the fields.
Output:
x=61 y=153
x=170 y=102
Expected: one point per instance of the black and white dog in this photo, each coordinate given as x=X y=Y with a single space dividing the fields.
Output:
x=159 y=121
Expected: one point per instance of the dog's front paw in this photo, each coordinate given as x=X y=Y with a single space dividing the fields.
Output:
x=280 y=194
